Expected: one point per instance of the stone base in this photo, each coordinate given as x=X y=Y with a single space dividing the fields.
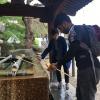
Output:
x=24 y=88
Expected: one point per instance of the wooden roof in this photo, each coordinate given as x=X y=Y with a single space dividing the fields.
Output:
x=70 y=7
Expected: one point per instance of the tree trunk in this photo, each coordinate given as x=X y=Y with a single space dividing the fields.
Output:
x=29 y=36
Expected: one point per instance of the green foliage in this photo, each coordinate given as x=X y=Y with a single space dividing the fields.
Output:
x=12 y=27
x=3 y=1
x=39 y=28
x=36 y=43
x=15 y=25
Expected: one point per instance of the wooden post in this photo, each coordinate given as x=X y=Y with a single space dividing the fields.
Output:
x=50 y=27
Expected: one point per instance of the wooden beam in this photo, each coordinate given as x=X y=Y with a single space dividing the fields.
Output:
x=24 y=10
x=17 y=1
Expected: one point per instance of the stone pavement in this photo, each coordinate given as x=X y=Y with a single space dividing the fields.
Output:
x=62 y=94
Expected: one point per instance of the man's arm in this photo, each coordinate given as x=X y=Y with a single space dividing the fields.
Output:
x=47 y=50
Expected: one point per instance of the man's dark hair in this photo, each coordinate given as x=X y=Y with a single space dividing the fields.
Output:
x=61 y=18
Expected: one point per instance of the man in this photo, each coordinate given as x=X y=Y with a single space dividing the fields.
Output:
x=58 y=47
x=87 y=63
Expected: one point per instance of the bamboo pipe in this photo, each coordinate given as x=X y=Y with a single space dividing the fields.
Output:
x=16 y=65
x=5 y=59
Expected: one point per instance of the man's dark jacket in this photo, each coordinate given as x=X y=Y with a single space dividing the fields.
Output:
x=57 y=47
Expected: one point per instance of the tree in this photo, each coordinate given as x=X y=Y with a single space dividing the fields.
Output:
x=29 y=36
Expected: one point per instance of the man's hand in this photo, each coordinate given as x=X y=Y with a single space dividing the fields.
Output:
x=51 y=67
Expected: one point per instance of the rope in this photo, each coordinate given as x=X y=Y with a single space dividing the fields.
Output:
x=64 y=73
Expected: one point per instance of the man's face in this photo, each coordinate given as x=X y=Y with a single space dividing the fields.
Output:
x=64 y=27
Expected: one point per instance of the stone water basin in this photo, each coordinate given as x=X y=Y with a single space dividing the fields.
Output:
x=31 y=86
